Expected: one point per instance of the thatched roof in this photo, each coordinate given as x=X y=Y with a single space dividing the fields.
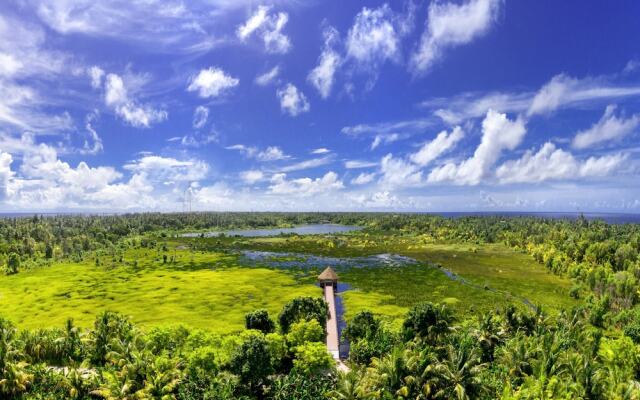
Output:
x=328 y=275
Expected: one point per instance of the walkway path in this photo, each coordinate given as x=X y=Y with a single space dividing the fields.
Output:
x=333 y=341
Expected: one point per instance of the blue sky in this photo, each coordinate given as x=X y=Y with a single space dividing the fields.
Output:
x=474 y=105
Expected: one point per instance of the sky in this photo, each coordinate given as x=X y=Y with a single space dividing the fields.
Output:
x=290 y=105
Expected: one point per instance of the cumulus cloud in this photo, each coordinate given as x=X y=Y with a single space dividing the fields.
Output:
x=269 y=27
x=450 y=25
x=609 y=128
x=498 y=134
x=200 y=117
x=374 y=37
x=6 y=174
x=268 y=77
x=212 y=82
x=252 y=176
x=442 y=143
x=50 y=183
x=363 y=178
x=292 y=100
x=305 y=186
x=169 y=170
x=138 y=115
x=320 y=150
x=551 y=163
x=398 y=172
x=272 y=153
x=322 y=76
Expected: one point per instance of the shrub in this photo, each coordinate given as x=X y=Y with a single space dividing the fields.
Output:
x=303 y=308
x=305 y=331
x=311 y=358
x=259 y=320
x=252 y=363
x=363 y=325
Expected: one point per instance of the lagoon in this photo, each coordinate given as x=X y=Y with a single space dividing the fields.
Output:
x=312 y=229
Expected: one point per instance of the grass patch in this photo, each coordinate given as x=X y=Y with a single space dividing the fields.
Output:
x=216 y=300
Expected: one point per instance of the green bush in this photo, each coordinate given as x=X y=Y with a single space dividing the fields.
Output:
x=259 y=320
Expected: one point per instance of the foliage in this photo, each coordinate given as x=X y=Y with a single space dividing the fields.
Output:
x=305 y=331
x=303 y=309
x=259 y=319
x=427 y=321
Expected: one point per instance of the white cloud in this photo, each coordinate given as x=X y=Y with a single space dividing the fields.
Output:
x=212 y=82
x=450 y=25
x=46 y=182
x=398 y=172
x=200 y=117
x=252 y=176
x=269 y=26
x=6 y=174
x=323 y=75
x=9 y=65
x=117 y=98
x=92 y=143
x=169 y=170
x=271 y=153
x=498 y=134
x=159 y=25
x=457 y=109
x=196 y=139
x=438 y=146
x=307 y=164
x=96 y=73
x=385 y=138
x=374 y=36
x=380 y=200
x=292 y=100
x=305 y=186
x=321 y=150
x=357 y=164
x=255 y=21
x=363 y=178
x=411 y=126
x=268 y=77
x=551 y=163
x=609 y=128
x=563 y=90
x=631 y=66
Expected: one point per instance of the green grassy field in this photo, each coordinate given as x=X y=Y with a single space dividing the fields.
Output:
x=152 y=294
x=209 y=289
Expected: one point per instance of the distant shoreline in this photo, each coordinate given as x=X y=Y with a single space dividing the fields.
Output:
x=609 y=217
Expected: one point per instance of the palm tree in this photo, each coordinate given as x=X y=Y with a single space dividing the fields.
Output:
x=488 y=336
x=347 y=387
x=387 y=374
x=456 y=375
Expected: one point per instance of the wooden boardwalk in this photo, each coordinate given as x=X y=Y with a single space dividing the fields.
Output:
x=333 y=340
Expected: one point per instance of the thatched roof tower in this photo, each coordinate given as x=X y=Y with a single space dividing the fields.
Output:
x=328 y=277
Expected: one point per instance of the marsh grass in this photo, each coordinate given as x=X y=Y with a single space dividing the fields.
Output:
x=202 y=285
x=200 y=290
